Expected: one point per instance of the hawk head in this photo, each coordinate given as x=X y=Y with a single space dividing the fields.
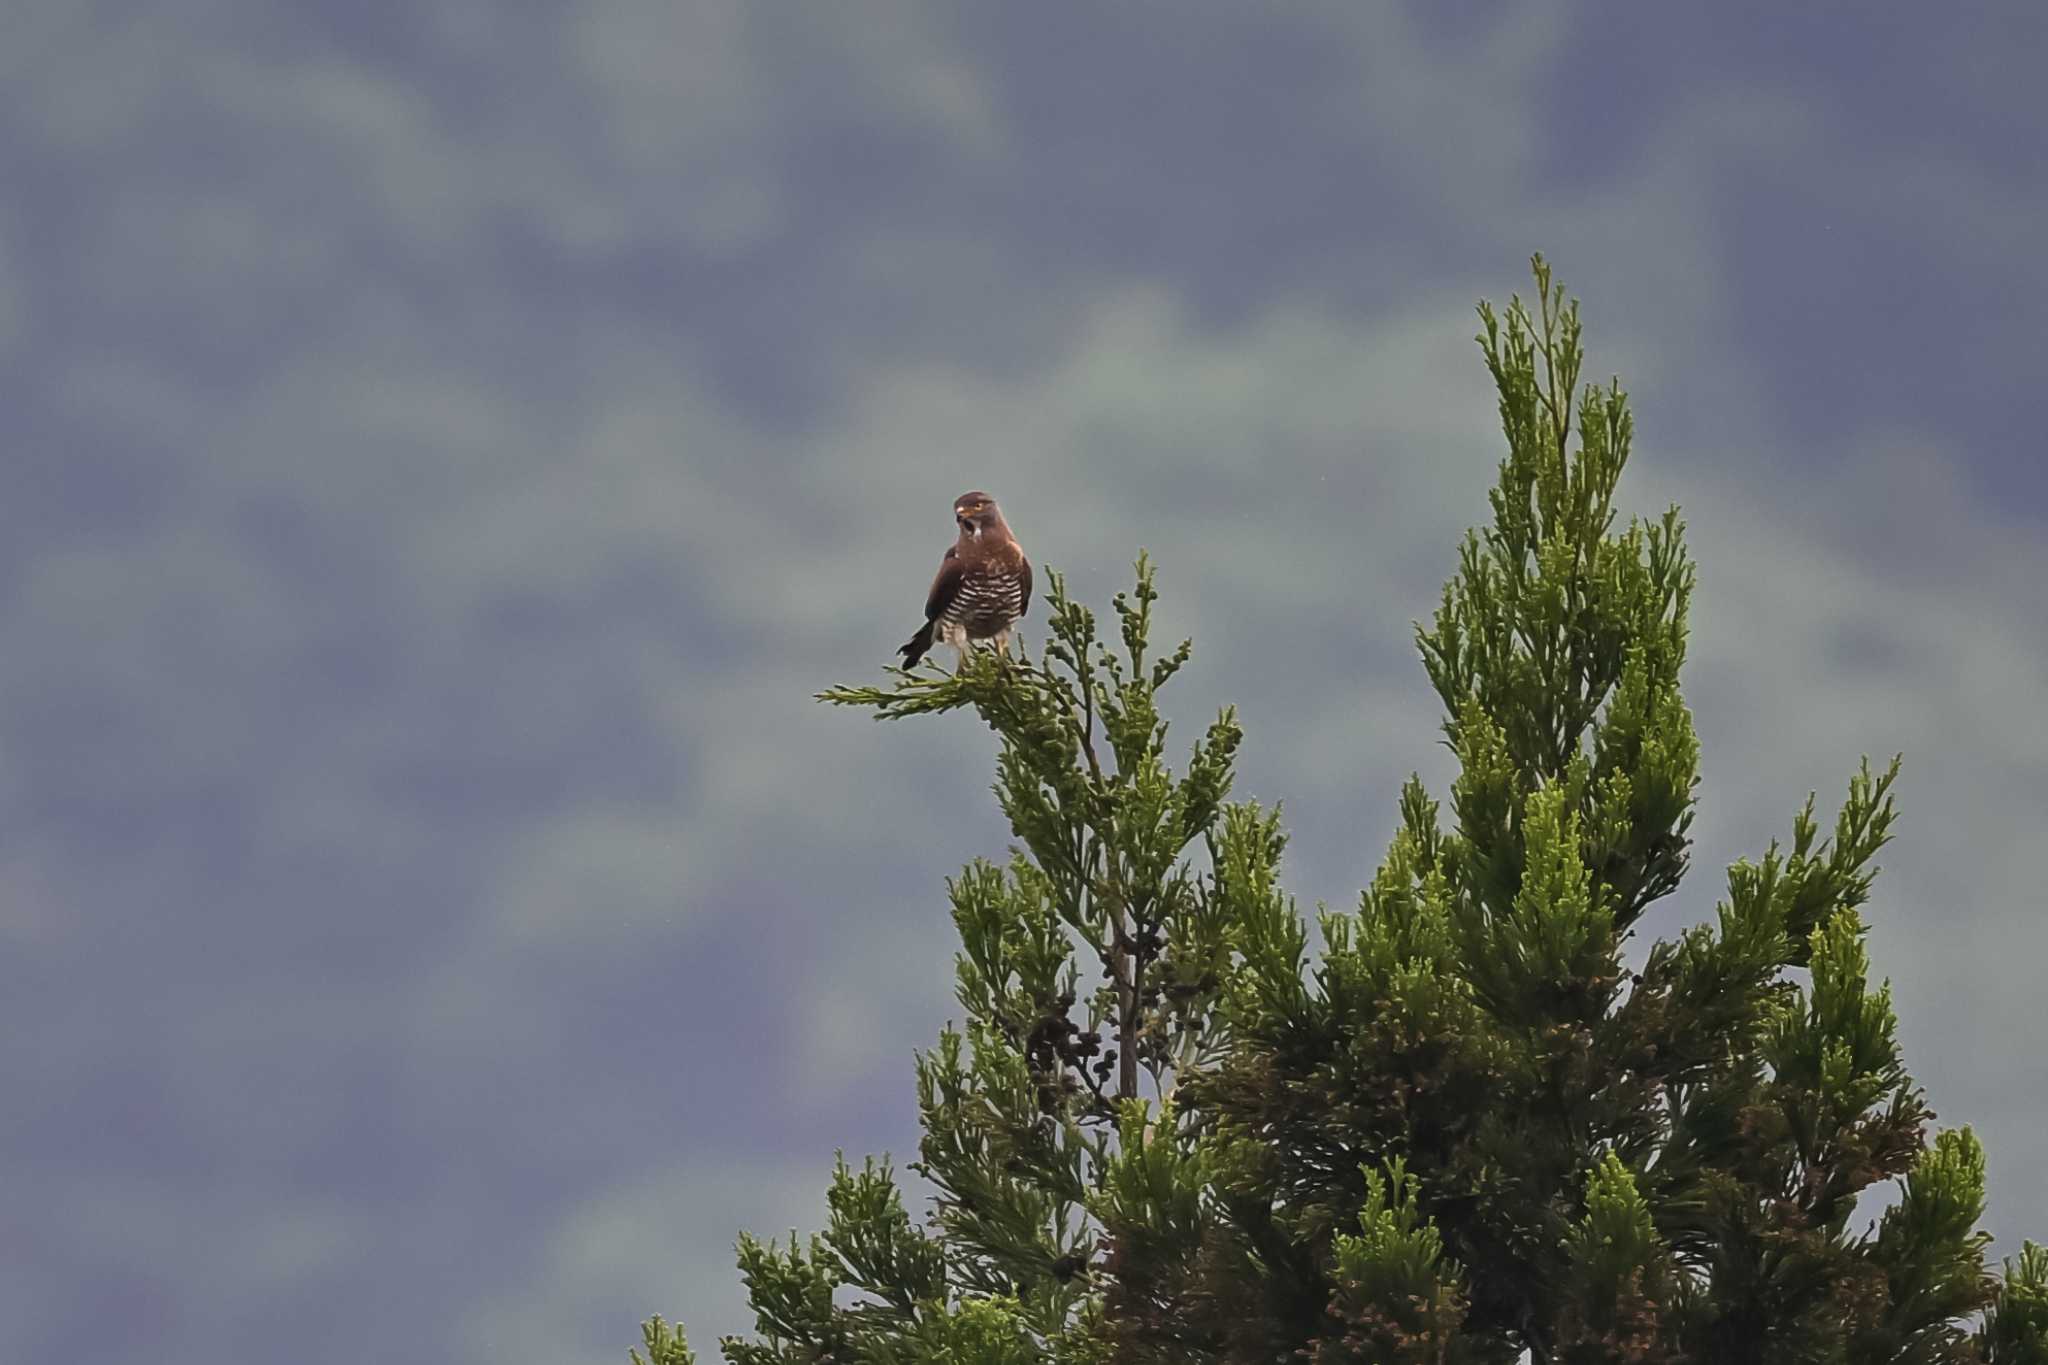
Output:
x=977 y=514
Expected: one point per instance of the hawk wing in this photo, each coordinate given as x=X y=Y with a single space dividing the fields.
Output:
x=945 y=584
x=1023 y=585
x=945 y=588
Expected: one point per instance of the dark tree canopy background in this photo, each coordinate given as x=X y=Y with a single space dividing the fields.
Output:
x=1467 y=1125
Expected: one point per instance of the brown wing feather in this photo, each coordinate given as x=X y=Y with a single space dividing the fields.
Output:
x=1024 y=585
x=945 y=584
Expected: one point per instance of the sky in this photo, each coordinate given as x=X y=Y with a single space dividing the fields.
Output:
x=443 y=446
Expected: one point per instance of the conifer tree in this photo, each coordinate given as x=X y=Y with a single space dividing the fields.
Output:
x=1462 y=1128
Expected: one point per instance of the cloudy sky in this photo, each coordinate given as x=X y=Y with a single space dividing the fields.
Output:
x=443 y=448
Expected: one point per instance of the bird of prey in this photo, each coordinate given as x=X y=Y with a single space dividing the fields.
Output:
x=983 y=584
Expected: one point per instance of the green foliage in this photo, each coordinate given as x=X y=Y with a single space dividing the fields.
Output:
x=1462 y=1129
x=2016 y=1325
x=1399 y=1299
x=1619 y=1274
x=665 y=1344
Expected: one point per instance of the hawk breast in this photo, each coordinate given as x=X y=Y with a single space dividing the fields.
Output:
x=989 y=600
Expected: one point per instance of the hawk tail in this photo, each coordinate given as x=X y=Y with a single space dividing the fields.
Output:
x=917 y=645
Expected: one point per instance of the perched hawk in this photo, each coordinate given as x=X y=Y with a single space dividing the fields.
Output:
x=983 y=585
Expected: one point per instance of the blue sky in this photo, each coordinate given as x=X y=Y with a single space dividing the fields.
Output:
x=444 y=449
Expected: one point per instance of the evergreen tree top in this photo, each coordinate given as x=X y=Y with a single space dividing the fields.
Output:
x=1464 y=1129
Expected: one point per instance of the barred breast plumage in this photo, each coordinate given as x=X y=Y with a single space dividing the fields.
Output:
x=987 y=603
